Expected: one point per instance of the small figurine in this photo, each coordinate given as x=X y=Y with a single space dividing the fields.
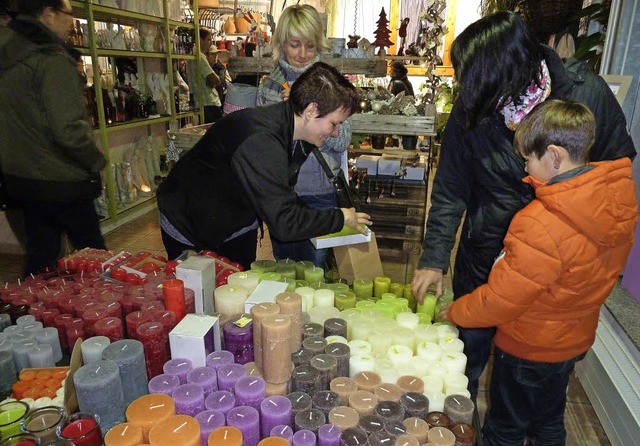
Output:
x=353 y=41
x=402 y=32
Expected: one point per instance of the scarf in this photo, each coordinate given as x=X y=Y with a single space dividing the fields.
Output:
x=534 y=95
x=290 y=73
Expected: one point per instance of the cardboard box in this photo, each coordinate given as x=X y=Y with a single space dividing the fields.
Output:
x=199 y=274
x=369 y=162
x=266 y=291
x=347 y=236
x=390 y=165
x=413 y=173
x=195 y=336
x=361 y=261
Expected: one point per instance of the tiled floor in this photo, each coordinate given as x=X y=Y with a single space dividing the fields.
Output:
x=583 y=427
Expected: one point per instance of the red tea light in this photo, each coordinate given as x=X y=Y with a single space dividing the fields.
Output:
x=118 y=274
x=156 y=305
x=132 y=279
x=90 y=317
x=113 y=309
x=49 y=317
x=111 y=327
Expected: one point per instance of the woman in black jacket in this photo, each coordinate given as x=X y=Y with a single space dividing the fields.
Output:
x=502 y=73
x=244 y=168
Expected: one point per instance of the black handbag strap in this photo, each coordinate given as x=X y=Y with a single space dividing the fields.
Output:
x=323 y=163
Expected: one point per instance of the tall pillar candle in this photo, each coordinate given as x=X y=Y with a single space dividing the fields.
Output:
x=275 y=411
x=128 y=354
x=259 y=312
x=221 y=401
x=229 y=300
x=276 y=348
x=228 y=374
x=179 y=367
x=306 y=293
x=153 y=337
x=173 y=295
x=176 y=429
x=209 y=421
x=205 y=377
x=238 y=338
x=291 y=304
x=124 y=434
x=99 y=391
x=149 y=411
x=92 y=348
x=341 y=352
x=164 y=384
x=247 y=420
x=7 y=372
x=188 y=399
x=225 y=436
x=327 y=367
x=49 y=335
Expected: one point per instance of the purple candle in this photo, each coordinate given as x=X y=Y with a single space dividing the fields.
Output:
x=250 y=391
x=220 y=401
x=247 y=420
x=164 y=383
x=189 y=399
x=228 y=374
x=217 y=359
x=329 y=435
x=205 y=378
x=209 y=420
x=179 y=367
x=239 y=341
x=275 y=411
x=282 y=431
x=304 y=437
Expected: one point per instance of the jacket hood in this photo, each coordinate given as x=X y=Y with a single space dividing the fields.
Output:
x=597 y=206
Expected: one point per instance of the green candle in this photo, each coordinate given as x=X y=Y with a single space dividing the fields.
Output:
x=270 y=275
x=363 y=288
x=291 y=283
x=423 y=318
x=286 y=268
x=381 y=286
x=314 y=274
x=428 y=306
x=301 y=283
x=396 y=288
x=263 y=266
x=387 y=307
x=11 y=414
x=301 y=266
x=317 y=285
x=389 y=296
x=362 y=305
x=408 y=294
x=344 y=300
x=339 y=287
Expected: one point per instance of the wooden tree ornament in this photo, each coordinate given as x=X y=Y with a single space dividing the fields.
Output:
x=382 y=33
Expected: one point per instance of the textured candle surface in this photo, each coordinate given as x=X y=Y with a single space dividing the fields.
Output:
x=128 y=354
x=149 y=410
x=180 y=430
x=99 y=391
x=275 y=410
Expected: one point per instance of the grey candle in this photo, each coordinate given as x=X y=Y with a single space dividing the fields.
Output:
x=312 y=329
x=341 y=352
x=327 y=367
x=310 y=419
x=389 y=410
x=128 y=354
x=459 y=408
x=335 y=326
x=99 y=391
x=325 y=400
x=299 y=401
x=49 y=335
x=305 y=378
x=302 y=356
x=315 y=344
x=7 y=373
x=415 y=404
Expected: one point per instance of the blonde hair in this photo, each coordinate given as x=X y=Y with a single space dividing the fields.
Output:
x=298 y=22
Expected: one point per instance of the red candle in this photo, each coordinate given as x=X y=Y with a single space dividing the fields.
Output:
x=49 y=317
x=73 y=334
x=82 y=431
x=154 y=339
x=60 y=322
x=113 y=309
x=90 y=317
x=134 y=320
x=118 y=274
x=132 y=278
x=173 y=293
x=110 y=327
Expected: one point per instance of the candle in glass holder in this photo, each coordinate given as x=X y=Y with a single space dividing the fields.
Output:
x=176 y=429
x=238 y=338
x=110 y=327
x=276 y=348
x=149 y=411
x=81 y=429
x=275 y=411
x=99 y=391
x=290 y=304
x=179 y=367
x=173 y=294
x=225 y=436
x=209 y=421
x=247 y=420
x=258 y=313
x=221 y=401
x=128 y=354
x=164 y=384
x=188 y=399
x=11 y=415
x=459 y=408
x=441 y=436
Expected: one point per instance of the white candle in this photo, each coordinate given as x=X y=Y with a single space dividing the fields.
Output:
x=229 y=300
x=447 y=330
x=454 y=361
x=403 y=336
x=433 y=384
x=324 y=298
x=307 y=297
x=426 y=333
x=321 y=314
x=419 y=366
x=451 y=344
x=335 y=338
x=380 y=340
x=455 y=382
x=400 y=355
x=361 y=363
x=246 y=279
x=41 y=355
x=407 y=319
x=49 y=336
x=92 y=348
x=437 y=368
x=359 y=347
x=359 y=329
x=27 y=319
x=429 y=351
x=388 y=373
x=436 y=401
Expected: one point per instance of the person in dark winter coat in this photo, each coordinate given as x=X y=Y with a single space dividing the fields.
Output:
x=48 y=157
x=244 y=168
x=502 y=73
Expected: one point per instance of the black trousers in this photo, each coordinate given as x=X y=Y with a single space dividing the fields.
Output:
x=45 y=223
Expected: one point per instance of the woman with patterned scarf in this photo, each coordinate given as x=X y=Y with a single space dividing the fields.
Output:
x=297 y=43
x=502 y=73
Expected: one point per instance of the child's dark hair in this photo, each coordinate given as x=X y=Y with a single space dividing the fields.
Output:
x=564 y=123
x=325 y=86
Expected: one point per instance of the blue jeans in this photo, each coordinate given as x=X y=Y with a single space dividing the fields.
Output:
x=304 y=249
x=477 y=348
x=528 y=399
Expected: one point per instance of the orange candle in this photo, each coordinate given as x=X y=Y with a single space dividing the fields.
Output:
x=149 y=411
x=225 y=436
x=173 y=293
x=274 y=441
x=124 y=434
x=180 y=430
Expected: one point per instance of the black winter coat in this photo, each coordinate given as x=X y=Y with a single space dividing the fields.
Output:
x=242 y=169
x=479 y=172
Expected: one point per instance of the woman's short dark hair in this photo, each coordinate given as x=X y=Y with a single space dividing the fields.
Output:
x=325 y=86
x=494 y=58
x=34 y=8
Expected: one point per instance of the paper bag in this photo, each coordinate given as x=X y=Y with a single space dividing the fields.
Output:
x=360 y=261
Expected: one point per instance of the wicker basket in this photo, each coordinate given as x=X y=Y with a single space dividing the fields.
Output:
x=547 y=17
x=187 y=137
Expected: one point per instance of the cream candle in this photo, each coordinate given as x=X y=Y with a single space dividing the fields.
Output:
x=436 y=400
x=417 y=428
x=403 y=336
x=437 y=368
x=363 y=288
x=291 y=305
x=451 y=344
x=429 y=351
x=359 y=347
x=446 y=330
x=388 y=392
x=408 y=320
x=361 y=363
x=400 y=355
x=344 y=387
x=225 y=436
x=455 y=382
x=176 y=429
x=306 y=293
x=229 y=300
x=259 y=312
x=245 y=279
x=454 y=361
x=433 y=384
x=247 y=420
x=426 y=333
x=441 y=436
x=380 y=286
x=363 y=402
x=343 y=417
x=276 y=347
x=323 y=298
x=149 y=411
x=250 y=391
x=360 y=330
x=321 y=314
x=336 y=340
x=418 y=366
x=99 y=391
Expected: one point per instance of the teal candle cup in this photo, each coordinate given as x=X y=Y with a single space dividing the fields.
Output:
x=11 y=415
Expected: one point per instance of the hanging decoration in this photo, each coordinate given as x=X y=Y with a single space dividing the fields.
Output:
x=430 y=35
x=382 y=33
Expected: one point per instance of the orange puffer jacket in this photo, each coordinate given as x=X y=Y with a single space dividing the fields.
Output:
x=562 y=256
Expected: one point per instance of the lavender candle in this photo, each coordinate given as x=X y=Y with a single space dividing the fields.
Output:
x=189 y=399
x=329 y=435
x=228 y=374
x=164 y=384
x=179 y=367
x=275 y=411
x=250 y=391
x=205 y=377
x=209 y=421
x=217 y=359
x=220 y=401
x=247 y=420
x=282 y=431
x=304 y=437
x=128 y=354
x=238 y=339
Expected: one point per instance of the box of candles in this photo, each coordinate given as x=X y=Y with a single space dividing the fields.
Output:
x=195 y=336
x=140 y=264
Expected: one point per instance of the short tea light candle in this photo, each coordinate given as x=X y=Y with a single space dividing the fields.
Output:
x=128 y=354
x=275 y=411
x=225 y=436
x=176 y=429
x=164 y=384
x=99 y=391
x=247 y=420
x=221 y=401
x=124 y=434
x=343 y=417
x=209 y=421
x=149 y=411
x=417 y=428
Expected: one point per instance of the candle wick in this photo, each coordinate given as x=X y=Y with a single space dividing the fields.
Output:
x=225 y=434
x=124 y=431
x=156 y=406
x=209 y=419
x=98 y=369
x=457 y=402
x=273 y=403
x=179 y=427
x=240 y=415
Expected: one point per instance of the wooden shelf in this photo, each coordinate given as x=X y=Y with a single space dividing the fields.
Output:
x=373 y=66
x=393 y=124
